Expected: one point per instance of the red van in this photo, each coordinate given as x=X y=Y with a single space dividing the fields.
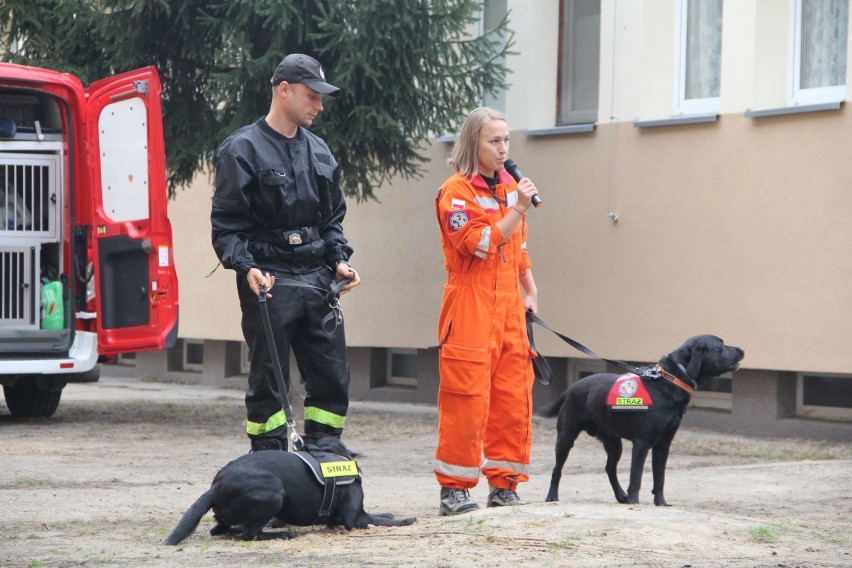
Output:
x=86 y=260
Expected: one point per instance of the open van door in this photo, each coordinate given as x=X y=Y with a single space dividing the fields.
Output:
x=136 y=291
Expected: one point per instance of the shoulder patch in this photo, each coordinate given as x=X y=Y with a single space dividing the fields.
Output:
x=457 y=220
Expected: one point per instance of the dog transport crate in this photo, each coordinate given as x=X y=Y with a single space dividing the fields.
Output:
x=31 y=203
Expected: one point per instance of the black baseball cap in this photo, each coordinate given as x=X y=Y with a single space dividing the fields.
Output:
x=301 y=68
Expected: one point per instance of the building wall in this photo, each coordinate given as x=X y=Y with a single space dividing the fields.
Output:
x=736 y=227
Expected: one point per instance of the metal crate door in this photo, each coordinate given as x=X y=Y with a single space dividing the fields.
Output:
x=29 y=196
x=18 y=287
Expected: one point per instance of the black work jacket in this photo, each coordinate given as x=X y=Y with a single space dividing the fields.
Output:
x=263 y=195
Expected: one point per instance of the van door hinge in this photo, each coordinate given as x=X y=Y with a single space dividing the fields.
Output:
x=139 y=87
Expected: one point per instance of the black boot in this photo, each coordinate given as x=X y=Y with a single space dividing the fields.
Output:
x=261 y=443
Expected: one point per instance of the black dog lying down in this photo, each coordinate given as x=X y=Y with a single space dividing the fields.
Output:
x=585 y=406
x=255 y=488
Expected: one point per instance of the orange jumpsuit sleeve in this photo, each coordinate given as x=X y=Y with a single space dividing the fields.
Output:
x=525 y=262
x=466 y=227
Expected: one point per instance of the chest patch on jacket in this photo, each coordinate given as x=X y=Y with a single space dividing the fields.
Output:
x=457 y=220
x=628 y=393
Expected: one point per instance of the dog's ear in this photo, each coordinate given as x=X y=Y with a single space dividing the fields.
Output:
x=696 y=359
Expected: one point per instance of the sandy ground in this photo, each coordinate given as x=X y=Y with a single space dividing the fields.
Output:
x=104 y=481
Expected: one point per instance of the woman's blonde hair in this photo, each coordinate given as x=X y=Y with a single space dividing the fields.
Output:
x=465 y=155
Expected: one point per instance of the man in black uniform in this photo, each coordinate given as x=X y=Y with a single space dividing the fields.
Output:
x=277 y=212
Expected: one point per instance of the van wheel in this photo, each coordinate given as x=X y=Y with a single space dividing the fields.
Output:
x=26 y=399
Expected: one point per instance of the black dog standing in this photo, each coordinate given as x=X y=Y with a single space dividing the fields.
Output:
x=587 y=405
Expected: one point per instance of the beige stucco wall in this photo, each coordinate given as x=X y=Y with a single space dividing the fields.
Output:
x=738 y=227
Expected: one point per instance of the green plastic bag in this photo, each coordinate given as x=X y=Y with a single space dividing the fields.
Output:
x=52 y=309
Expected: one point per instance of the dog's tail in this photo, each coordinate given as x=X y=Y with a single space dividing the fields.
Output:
x=551 y=409
x=191 y=518
x=387 y=520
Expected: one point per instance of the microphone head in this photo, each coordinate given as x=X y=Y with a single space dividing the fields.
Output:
x=513 y=169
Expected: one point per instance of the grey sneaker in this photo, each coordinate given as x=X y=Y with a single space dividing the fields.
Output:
x=456 y=502
x=504 y=498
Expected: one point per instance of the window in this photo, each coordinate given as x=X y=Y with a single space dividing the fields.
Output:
x=126 y=359
x=579 y=61
x=715 y=394
x=245 y=359
x=493 y=13
x=193 y=355
x=401 y=370
x=698 y=53
x=819 y=36
x=824 y=396
x=582 y=368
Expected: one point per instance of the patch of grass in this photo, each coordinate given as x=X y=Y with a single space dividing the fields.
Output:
x=831 y=539
x=762 y=450
x=765 y=533
x=34 y=563
x=472 y=524
x=28 y=481
x=568 y=542
x=104 y=558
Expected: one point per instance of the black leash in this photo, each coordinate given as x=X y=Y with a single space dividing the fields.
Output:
x=542 y=368
x=332 y=297
x=334 y=303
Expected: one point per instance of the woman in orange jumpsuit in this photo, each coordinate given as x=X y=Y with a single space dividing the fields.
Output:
x=485 y=392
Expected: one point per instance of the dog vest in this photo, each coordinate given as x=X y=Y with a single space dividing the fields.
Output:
x=628 y=393
x=330 y=471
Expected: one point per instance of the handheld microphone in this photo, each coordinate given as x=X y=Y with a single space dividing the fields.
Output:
x=514 y=171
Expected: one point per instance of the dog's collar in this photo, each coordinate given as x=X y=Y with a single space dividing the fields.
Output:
x=674 y=380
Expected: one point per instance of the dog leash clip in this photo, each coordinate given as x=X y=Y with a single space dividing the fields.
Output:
x=335 y=316
x=297 y=441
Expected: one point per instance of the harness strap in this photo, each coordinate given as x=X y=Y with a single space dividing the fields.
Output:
x=543 y=369
x=329 y=491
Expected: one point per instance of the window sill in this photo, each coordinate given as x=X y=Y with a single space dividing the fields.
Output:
x=556 y=130
x=676 y=120
x=780 y=111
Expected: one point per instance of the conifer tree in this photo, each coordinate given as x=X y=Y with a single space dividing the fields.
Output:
x=409 y=69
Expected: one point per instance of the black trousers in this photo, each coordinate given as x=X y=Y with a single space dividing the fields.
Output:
x=296 y=315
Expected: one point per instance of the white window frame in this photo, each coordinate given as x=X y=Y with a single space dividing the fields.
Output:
x=126 y=359
x=714 y=400
x=579 y=368
x=812 y=411
x=492 y=13
x=569 y=116
x=796 y=95
x=186 y=365
x=682 y=105
x=245 y=359
x=391 y=380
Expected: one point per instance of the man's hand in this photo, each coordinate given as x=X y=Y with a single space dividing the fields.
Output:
x=257 y=280
x=346 y=271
